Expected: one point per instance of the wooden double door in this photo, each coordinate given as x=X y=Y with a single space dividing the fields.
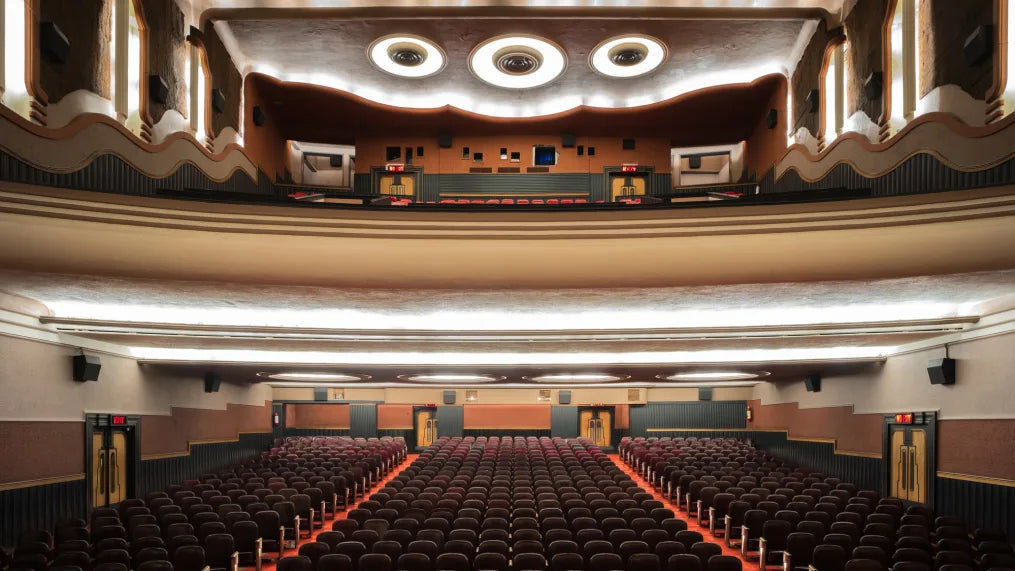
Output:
x=910 y=458
x=113 y=458
x=596 y=424
x=425 y=423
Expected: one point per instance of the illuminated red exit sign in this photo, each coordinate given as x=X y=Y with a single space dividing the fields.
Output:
x=904 y=418
x=395 y=168
x=629 y=168
x=117 y=420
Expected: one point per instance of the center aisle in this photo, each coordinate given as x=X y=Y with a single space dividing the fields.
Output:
x=266 y=566
x=692 y=524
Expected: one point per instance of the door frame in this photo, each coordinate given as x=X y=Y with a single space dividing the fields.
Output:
x=646 y=171
x=926 y=421
x=103 y=423
x=613 y=420
x=413 y=436
x=416 y=172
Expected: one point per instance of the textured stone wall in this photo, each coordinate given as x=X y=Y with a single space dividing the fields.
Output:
x=226 y=77
x=806 y=76
x=864 y=54
x=88 y=26
x=167 y=54
x=944 y=27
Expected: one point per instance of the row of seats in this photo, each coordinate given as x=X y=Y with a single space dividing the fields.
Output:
x=789 y=516
x=221 y=520
x=526 y=504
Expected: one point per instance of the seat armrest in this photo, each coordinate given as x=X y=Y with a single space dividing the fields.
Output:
x=762 y=554
x=281 y=542
x=324 y=511
x=234 y=561
x=787 y=561
x=698 y=512
x=743 y=541
x=258 y=553
x=711 y=520
x=310 y=522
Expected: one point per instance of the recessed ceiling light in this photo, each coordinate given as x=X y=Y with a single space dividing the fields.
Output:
x=406 y=56
x=714 y=376
x=627 y=56
x=451 y=378
x=323 y=377
x=517 y=62
x=578 y=378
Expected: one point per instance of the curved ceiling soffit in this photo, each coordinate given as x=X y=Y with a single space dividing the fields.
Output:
x=759 y=87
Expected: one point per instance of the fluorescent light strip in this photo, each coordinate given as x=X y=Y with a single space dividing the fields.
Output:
x=440 y=358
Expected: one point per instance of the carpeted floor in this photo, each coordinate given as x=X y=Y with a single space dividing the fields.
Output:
x=691 y=523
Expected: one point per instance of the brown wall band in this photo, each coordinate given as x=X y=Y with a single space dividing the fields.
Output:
x=517 y=416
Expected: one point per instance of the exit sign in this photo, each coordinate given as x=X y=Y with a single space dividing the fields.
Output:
x=117 y=420
x=904 y=418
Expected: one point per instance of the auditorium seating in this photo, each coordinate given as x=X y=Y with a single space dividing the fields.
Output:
x=220 y=520
x=790 y=517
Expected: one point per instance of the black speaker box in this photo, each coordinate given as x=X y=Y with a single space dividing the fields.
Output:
x=627 y=144
x=218 y=100
x=86 y=368
x=941 y=371
x=445 y=140
x=813 y=383
x=567 y=140
x=694 y=161
x=259 y=116
x=53 y=43
x=772 y=118
x=564 y=397
x=320 y=394
x=873 y=86
x=158 y=89
x=979 y=45
x=704 y=393
x=212 y=382
x=813 y=101
x=335 y=161
x=449 y=397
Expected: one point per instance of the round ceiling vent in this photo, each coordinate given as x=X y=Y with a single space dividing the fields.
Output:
x=406 y=56
x=517 y=62
x=627 y=56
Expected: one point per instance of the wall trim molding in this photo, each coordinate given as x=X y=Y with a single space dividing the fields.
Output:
x=978 y=479
x=41 y=482
x=192 y=443
x=832 y=441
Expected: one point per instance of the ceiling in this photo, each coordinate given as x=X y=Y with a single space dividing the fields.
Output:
x=325 y=44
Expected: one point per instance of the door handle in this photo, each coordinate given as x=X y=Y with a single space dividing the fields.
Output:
x=101 y=483
x=114 y=472
x=900 y=473
x=914 y=479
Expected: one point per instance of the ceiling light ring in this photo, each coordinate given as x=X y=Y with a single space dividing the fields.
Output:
x=451 y=378
x=639 y=55
x=564 y=378
x=407 y=56
x=712 y=376
x=315 y=376
x=545 y=61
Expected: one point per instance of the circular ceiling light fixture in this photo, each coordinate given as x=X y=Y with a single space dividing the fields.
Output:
x=450 y=378
x=517 y=62
x=578 y=378
x=318 y=377
x=627 y=56
x=406 y=56
x=714 y=376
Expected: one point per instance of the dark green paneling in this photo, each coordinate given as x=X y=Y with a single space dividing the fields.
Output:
x=363 y=420
x=597 y=186
x=39 y=507
x=500 y=184
x=978 y=504
x=361 y=183
x=488 y=432
x=431 y=187
x=564 y=421
x=719 y=433
x=862 y=471
x=660 y=183
x=450 y=420
x=318 y=432
x=158 y=473
x=689 y=414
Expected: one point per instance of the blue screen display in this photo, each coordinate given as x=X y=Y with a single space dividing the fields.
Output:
x=545 y=156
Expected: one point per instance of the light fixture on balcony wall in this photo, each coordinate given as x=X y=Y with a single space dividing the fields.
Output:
x=577 y=378
x=517 y=62
x=407 y=56
x=450 y=378
x=628 y=56
x=714 y=376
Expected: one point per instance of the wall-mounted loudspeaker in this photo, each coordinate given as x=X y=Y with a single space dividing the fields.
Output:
x=813 y=383
x=694 y=161
x=564 y=397
x=218 y=100
x=158 y=89
x=449 y=397
x=259 y=116
x=941 y=371
x=772 y=118
x=320 y=393
x=873 y=86
x=86 y=368
x=704 y=393
x=567 y=140
x=979 y=45
x=813 y=100
x=212 y=382
x=53 y=43
x=445 y=140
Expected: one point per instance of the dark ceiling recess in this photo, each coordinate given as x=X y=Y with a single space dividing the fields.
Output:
x=710 y=116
